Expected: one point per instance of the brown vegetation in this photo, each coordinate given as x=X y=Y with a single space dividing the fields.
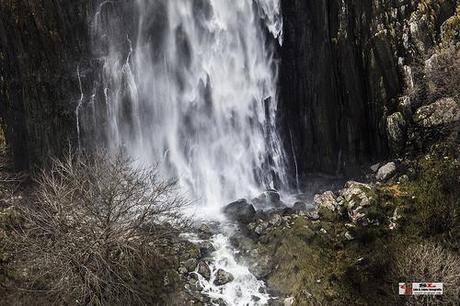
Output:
x=428 y=262
x=93 y=229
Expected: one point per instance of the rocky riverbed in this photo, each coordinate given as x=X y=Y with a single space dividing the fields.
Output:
x=344 y=245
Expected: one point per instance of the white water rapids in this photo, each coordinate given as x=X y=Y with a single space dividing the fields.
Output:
x=192 y=86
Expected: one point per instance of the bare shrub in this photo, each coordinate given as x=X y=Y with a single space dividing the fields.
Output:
x=95 y=223
x=443 y=75
x=428 y=262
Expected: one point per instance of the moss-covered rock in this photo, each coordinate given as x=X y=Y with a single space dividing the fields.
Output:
x=442 y=112
x=337 y=260
x=450 y=30
x=396 y=127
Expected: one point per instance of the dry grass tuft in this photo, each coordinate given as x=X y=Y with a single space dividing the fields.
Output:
x=429 y=262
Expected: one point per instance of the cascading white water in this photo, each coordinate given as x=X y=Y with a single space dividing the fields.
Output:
x=193 y=87
x=245 y=289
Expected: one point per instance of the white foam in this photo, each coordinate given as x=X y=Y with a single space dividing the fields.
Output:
x=245 y=289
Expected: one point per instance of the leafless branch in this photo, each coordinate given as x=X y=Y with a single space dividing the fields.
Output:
x=96 y=219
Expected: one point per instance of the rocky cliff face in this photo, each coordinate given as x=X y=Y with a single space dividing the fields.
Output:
x=343 y=66
x=43 y=47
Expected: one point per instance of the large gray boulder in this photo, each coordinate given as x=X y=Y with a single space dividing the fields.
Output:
x=326 y=200
x=355 y=199
x=442 y=112
x=385 y=172
x=206 y=248
x=353 y=191
x=241 y=211
x=204 y=270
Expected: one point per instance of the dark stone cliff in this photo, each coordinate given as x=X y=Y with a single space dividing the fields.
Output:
x=41 y=45
x=340 y=74
x=342 y=70
x=48 y=67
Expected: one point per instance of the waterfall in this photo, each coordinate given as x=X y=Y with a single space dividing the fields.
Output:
x=192 y=85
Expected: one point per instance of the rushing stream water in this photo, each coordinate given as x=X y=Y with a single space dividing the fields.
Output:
x=192 y=86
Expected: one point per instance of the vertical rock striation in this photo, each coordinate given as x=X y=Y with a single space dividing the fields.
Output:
x=344 y=65
x=41 y=45
x=342 y=68
x=337 y=74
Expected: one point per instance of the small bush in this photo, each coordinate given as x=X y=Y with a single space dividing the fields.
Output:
x=443 y=74
x=428 y=262
x=436 y=205
x=94 y=225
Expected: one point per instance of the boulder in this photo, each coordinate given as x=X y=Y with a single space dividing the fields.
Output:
x=190 y=265
x=354 y=198
x=204 y=270
x=405 y=106
x=204 y=231
x=269 y=199
x=194 y=290
x=299 y=206
x=326 y=200
x=241 y=211
x=386 y=171
x=354 y=192
x=260 y=228
x=356 y=215
x=375 y=167
x=275 y=220
x=182 y=270
x=442 y=112
x=206 y=248
x=396 y=129
x=313 y=215
x=261 y=214
x=223 y=277
x=218 y=302
x=272 y=195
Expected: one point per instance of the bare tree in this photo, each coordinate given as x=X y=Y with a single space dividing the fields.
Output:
x=96 y=219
